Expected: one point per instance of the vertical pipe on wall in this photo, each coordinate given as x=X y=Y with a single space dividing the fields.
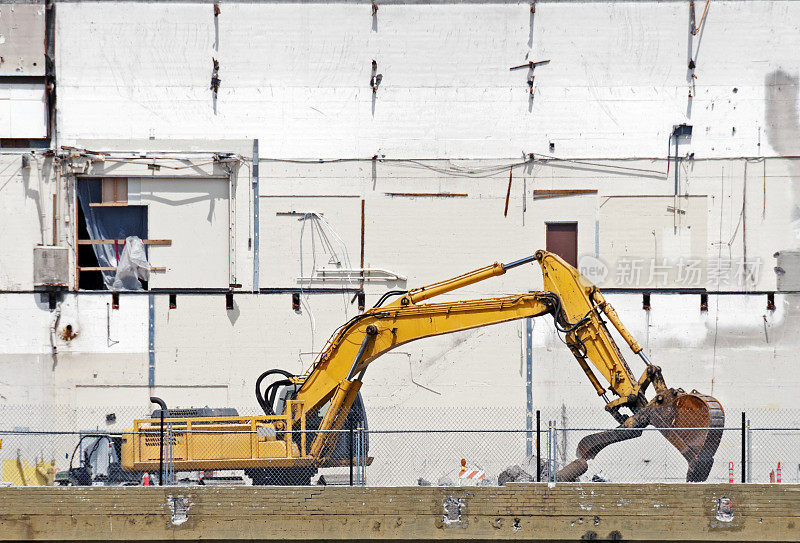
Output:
x=151 y=373
x=255 y=215
x=361 y=285
x=675 y=197
x=597 y=238
x=528 y=387
x=232 y=280
x=744 y=226
x=55 y=220
x=163 y=408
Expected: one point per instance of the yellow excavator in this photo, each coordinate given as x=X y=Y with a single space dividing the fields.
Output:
x=298 y=432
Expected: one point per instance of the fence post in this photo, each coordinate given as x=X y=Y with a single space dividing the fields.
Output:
x=351 y=451
x=359 y=452
x=749 y=453
x=550 y=456
x=363 y=445
x=744 y=446
x=538 y=446
x=550 y=450
x=555 y=452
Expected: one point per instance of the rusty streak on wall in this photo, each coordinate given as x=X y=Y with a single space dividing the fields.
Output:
x=527 y=511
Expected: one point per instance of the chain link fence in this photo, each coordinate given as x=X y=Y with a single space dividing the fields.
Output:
x=45 y=445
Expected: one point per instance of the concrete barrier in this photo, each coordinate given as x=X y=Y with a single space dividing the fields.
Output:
x=565 y=511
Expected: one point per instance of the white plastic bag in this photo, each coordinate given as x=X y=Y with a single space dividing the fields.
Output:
x=132 y=266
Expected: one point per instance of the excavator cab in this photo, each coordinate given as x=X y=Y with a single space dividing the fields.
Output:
x=273 y=401
x=356 y=418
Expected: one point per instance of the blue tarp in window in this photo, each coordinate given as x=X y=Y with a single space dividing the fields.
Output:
x=116 y=222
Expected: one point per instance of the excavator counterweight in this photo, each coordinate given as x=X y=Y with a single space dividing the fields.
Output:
x=302 y=413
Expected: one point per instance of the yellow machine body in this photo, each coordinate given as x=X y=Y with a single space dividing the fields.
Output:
x=18 y=472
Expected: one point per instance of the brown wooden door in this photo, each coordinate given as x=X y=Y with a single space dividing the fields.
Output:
x=562 y=239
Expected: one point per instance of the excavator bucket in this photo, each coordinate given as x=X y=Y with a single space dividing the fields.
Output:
x=692 y=422
x=695 y=423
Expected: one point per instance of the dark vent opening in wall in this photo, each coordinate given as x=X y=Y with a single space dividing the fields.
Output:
x=173 y=301
x=115 y=300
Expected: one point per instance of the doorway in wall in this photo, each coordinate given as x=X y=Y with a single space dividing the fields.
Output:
x=562 y=239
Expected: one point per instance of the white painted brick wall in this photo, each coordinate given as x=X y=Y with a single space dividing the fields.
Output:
x=296 y=76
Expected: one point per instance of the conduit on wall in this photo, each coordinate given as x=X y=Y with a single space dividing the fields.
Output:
x=255 y=215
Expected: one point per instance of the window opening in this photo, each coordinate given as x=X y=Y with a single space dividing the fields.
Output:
x=87 y=259
x=105 y=219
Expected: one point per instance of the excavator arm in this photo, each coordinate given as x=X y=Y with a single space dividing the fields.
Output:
x=568 y=297
x=577 y=307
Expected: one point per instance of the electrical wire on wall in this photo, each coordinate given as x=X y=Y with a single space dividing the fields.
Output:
x=719 y=260
x=696 y=28
x=480 y=172
x=331 y=244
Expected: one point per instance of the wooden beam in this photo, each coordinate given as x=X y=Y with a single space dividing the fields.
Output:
x=115 y=204
x=540 y=194
x=122 y=241
x=113 y=268
x=428 y=194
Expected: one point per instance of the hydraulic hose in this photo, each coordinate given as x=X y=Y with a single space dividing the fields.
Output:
x=262 y=400
x=272 y=391
x=386 y=296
